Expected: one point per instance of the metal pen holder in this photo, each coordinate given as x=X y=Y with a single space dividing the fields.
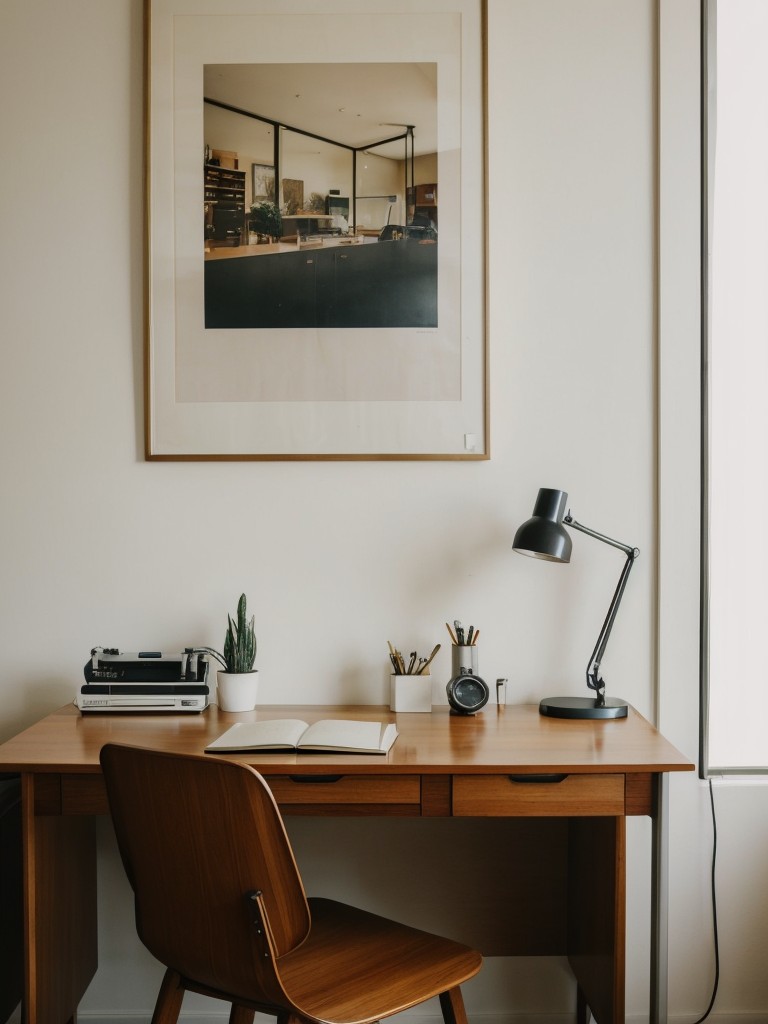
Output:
x=463 y=660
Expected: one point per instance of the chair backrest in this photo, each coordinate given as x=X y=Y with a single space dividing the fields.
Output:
x=196 y=834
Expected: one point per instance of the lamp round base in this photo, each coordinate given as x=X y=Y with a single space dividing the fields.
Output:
x=583 y=707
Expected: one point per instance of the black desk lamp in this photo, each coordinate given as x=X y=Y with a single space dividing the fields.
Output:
x=544 y=536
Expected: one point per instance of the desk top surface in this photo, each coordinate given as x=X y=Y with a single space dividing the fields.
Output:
x=513 y=738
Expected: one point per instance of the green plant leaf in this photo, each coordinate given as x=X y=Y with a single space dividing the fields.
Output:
x=239 y=652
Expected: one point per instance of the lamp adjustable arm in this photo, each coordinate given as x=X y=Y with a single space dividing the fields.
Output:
x=594 y=682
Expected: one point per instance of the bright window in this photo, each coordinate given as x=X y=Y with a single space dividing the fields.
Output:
x=735 y=663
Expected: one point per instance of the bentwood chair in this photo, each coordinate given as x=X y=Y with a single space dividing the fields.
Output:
x=220 y=902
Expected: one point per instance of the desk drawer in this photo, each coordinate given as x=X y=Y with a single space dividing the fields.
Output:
x=568 y=796
x=365 y=791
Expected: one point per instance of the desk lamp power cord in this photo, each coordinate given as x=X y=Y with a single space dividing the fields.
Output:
x=714 y=908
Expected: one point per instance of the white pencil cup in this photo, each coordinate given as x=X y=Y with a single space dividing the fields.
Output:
x=410 y=692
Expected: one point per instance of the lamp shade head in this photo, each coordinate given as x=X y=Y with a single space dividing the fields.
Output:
x=543 y=535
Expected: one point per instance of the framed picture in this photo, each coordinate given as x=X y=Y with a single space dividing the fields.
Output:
x=293 y=195
x=262 y=182
x=332 y=303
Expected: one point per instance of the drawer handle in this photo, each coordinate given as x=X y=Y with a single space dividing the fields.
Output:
x=552 y=777
x=314 y=779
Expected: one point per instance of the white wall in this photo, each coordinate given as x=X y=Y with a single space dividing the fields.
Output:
x=99 y=547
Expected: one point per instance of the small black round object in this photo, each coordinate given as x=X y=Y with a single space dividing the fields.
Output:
x=467 y=693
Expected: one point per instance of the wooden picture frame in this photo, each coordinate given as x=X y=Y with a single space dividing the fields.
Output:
x=337 y=359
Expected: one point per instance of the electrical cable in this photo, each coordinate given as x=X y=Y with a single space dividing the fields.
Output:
x=714 y=909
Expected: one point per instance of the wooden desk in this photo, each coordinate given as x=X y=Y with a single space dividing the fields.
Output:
x=440 y=766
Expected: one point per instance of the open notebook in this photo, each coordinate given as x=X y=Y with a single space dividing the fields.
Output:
x=339 y=735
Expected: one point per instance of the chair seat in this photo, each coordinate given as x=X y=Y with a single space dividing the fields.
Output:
x=356 y=967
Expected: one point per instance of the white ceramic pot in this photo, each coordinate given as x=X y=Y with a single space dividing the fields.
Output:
x=237 y=691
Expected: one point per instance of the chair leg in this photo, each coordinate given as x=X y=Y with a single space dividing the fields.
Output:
x=241 y=1015
x=286 y=1017
x=169 y=999
x=452 y=1005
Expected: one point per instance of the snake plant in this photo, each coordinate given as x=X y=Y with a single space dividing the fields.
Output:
x=239 y=642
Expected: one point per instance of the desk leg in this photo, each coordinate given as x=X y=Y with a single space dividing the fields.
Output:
x=659 y=900
x=59 y=854
x=596 y=915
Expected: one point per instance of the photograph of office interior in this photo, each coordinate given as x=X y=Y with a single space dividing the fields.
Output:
x=321 y=195
x=593 y=311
